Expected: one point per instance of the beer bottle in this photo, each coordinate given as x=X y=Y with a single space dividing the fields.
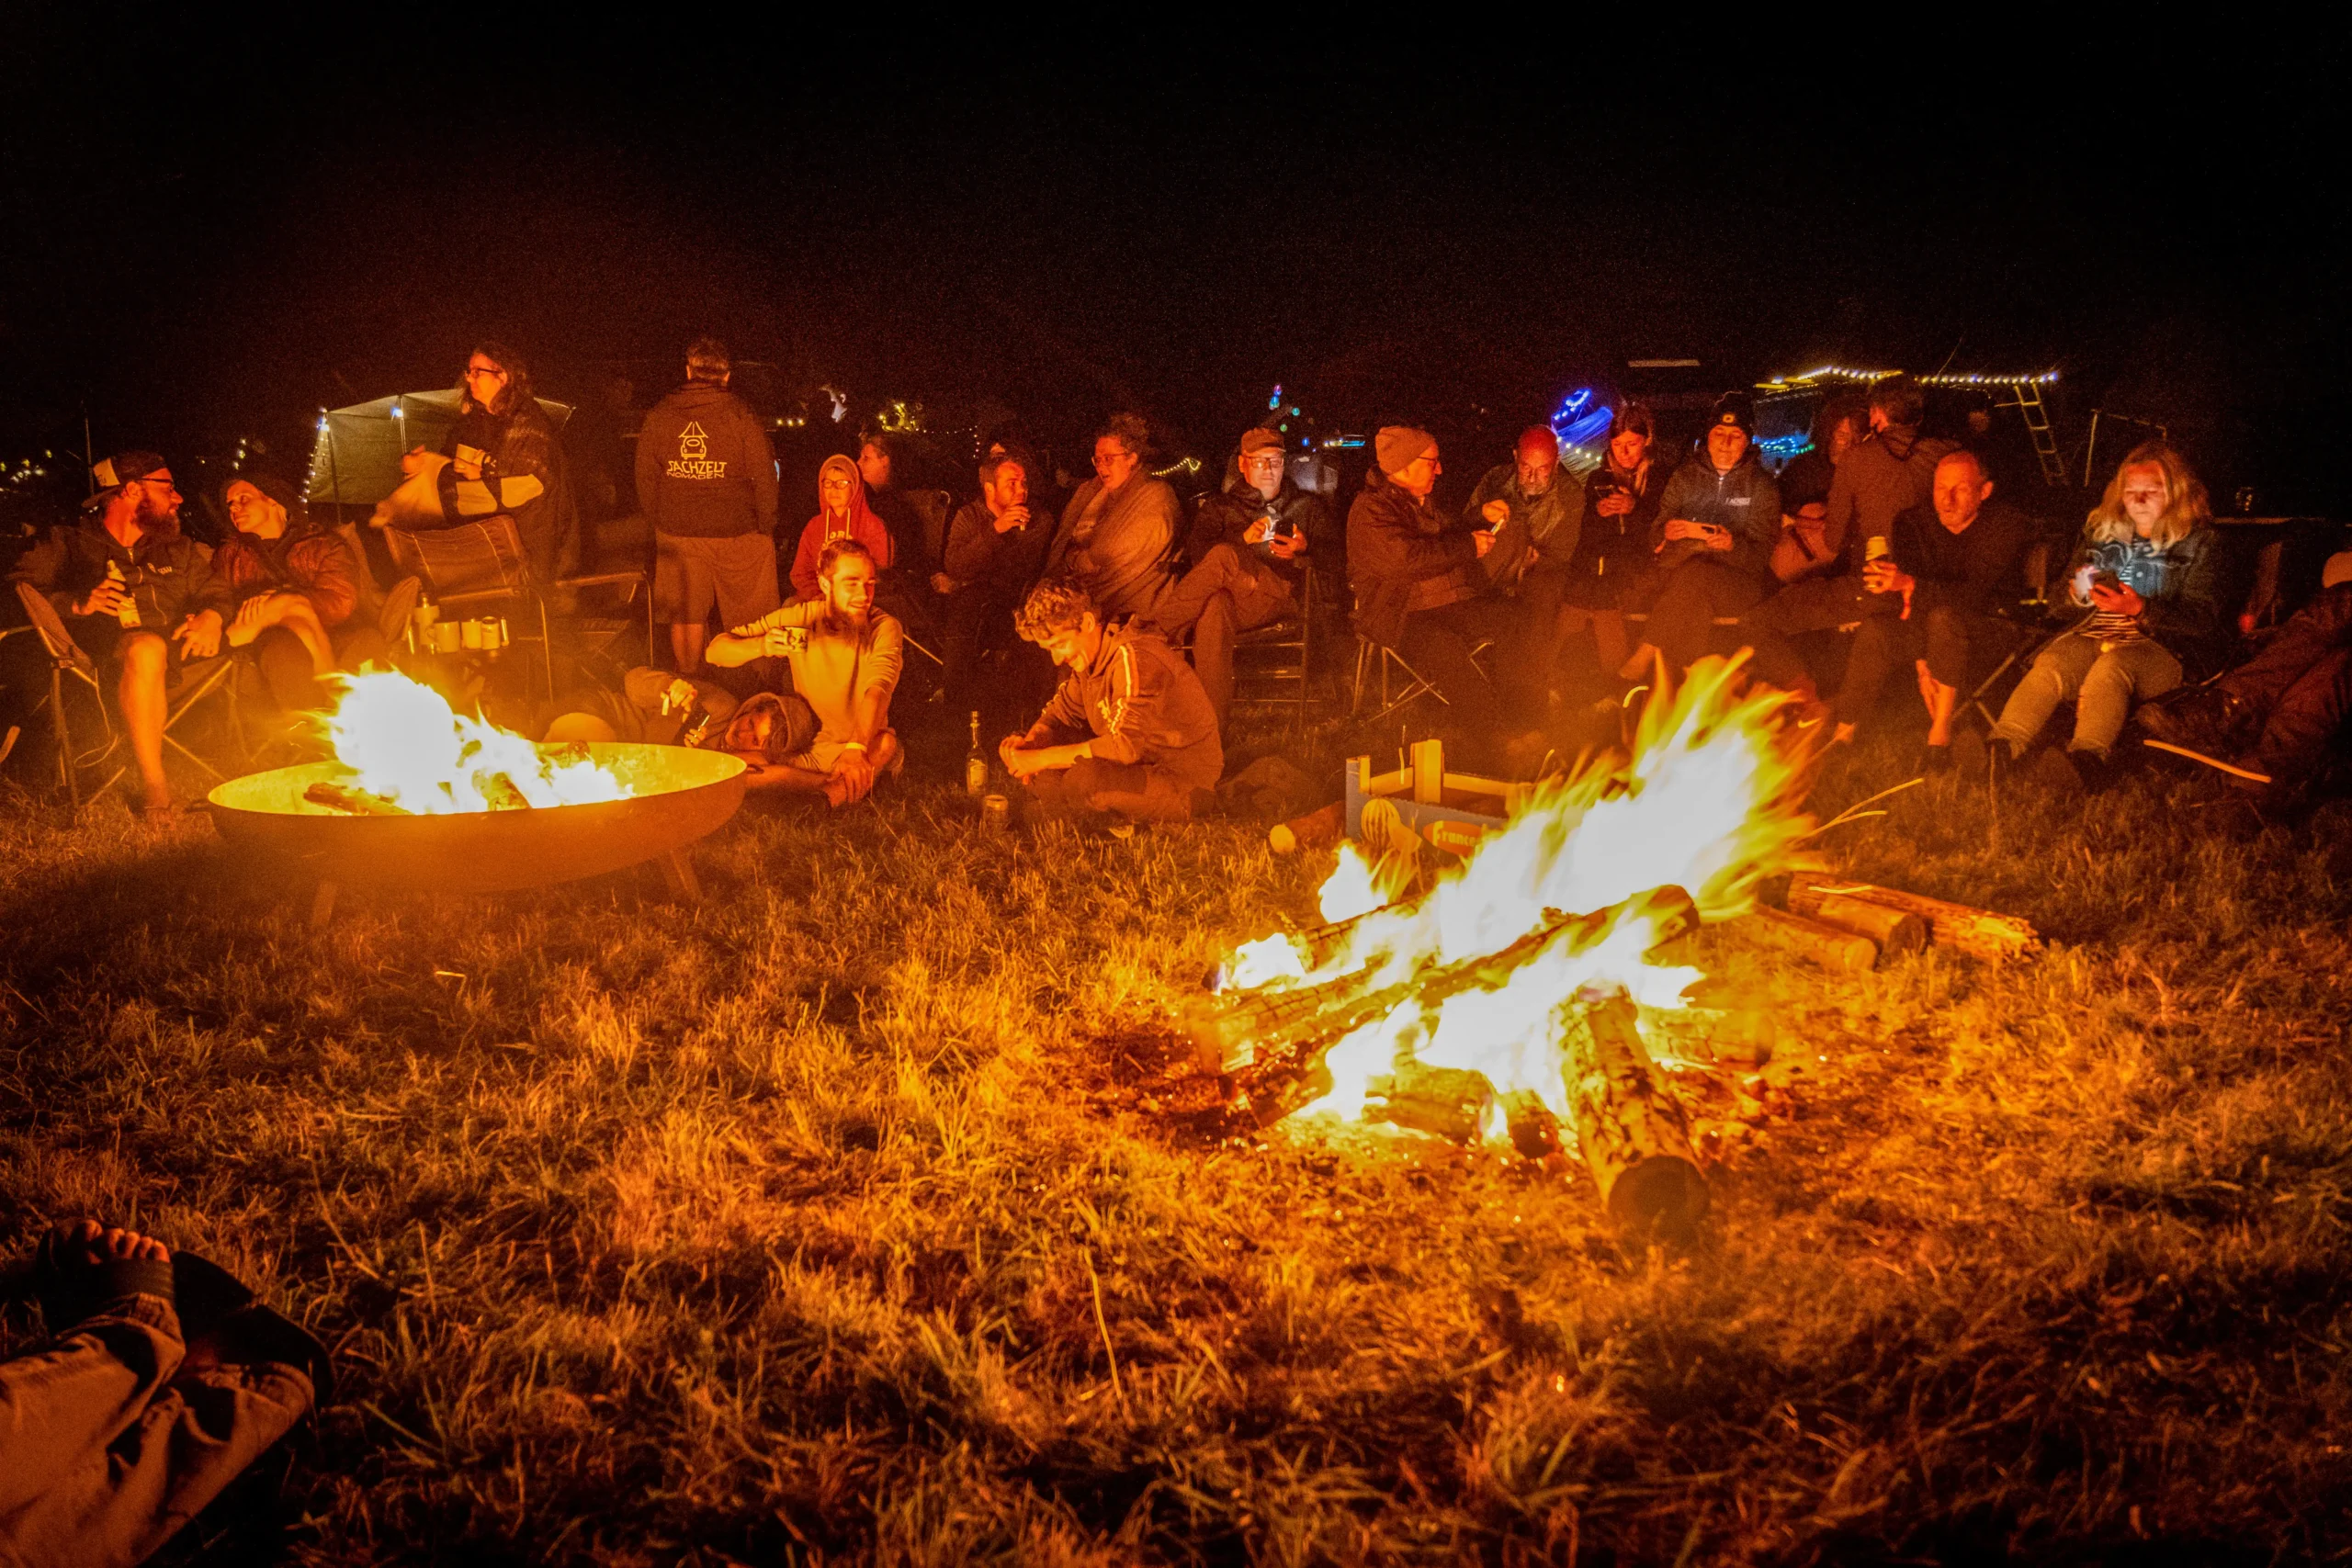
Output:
x=976 y=762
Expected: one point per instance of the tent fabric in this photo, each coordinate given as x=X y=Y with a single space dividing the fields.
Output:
x=356 y=460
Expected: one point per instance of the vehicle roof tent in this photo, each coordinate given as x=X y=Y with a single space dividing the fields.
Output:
x=357 y=458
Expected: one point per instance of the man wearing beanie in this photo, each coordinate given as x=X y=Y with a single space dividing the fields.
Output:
x=1418 y=587
x=1713 y=545
x=126 y=580
x=1537 y=513
x=293 y=584
x=1252 y=540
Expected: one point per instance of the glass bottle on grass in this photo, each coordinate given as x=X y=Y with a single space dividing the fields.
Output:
x=976 y=762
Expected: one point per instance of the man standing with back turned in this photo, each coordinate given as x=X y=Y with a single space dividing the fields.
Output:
x=705 y=476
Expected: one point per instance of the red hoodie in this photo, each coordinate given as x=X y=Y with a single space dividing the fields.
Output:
x=861 y=525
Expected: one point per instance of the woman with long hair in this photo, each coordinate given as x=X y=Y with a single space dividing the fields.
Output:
x=2148 y=578
x=504 y=460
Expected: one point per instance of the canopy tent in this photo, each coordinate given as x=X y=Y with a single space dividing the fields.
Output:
x=357 y=459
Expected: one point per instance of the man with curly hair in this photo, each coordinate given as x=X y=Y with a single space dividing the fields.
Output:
x=1130 y=731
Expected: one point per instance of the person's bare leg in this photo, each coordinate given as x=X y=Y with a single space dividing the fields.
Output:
x=140 y=691
x=299 y=615
x=1942 y=702
x=686 y=644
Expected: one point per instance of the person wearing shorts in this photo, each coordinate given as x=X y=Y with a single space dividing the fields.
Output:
x=847 y=657
x=705 y=476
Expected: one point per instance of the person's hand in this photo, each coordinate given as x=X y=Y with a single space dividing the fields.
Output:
x=1014 y=518
x=1006 y=749
x=248 y=623
x=412 y=460
x=1684 y=528
x=1885 y=577
x=1485 y=539
x=2117 y=598
x=855 y=771
x=1019 y=763
x=943 y=584
x=200 y=635
x=1616 y=503
x=1258 y=532
x=1496 y=512
x=1713 y=536
x=107 y=598
x=778 y=642
x=678 y=696
x=1285 y=547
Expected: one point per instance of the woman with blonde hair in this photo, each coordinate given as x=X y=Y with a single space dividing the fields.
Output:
x=2148 y=575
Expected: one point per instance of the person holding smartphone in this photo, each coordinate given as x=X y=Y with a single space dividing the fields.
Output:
x=1710 y=550
x=1250 y=542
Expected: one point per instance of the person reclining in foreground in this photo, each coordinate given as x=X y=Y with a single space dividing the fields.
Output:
x=847 y=657
x=2151 y=579
x=1921 y=604
x=125 y=578
x=1129 y=731
x=2273 y=719
x=654 y=707
x=162 y=1381
x=1248 y=540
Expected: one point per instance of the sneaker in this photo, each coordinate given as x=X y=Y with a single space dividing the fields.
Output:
x=2204 y=719
x=2058 y=772
x=1971 y=756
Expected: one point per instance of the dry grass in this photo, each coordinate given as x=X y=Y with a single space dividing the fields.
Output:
x=805 y=1226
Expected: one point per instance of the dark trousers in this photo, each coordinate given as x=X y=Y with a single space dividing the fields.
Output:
x=1684 y=601
x=1437 y=644
x=2302 y=684
x=1940 y=633
x=1816 y=605
x=1216 y=600
x=1541 y=594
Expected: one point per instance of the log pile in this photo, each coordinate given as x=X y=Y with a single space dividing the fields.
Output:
x=1978 y=933
x=356 y=802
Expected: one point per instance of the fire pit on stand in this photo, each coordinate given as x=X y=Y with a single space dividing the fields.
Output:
x=427 y=800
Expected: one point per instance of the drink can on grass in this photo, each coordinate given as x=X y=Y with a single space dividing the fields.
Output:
x=996 y=813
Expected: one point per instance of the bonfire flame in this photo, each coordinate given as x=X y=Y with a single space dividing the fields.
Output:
x=1707 y=801
x=406 y=744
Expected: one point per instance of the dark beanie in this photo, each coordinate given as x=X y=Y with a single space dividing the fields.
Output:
x=275 y=486
x=1737 y=409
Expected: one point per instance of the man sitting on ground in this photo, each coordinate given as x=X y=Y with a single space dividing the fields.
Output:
x=162 y=1381
x=294 y=587
x=1129 y=731
x=2272 y=721
x=1250 y=540
x=125 y=576
x=847 y=657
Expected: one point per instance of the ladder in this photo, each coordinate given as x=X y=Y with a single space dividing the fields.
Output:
x=2026 y=398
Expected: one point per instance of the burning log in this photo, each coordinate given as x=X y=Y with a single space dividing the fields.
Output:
x=1534 y=1131
x=1825 y=945
x=1898 y=933
x=1630 y=1129
x=1709 y=1036
x=1979 y=932
x=357 y=802
x=1303 y=1021
x=1447 y=1102
x=500 y=791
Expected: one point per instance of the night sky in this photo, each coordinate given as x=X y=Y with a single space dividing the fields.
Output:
x=212 y=235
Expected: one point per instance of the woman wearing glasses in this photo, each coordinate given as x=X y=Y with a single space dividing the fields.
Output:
x=504 y=460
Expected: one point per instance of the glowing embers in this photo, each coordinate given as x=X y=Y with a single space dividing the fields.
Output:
x=407 y=747
x=1524 y=973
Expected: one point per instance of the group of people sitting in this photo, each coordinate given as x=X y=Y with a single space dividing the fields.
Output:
x=1643 y=564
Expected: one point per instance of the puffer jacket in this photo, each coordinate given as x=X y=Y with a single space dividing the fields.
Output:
x=306 y=558
x=1401 y=560
x=1746 y=502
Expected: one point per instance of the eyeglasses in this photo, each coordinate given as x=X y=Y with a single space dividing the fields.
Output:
x=474 y=370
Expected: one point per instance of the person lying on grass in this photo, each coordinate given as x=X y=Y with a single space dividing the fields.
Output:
x=653 y=707
x=845 y=657
x=161 y=1381
x=1129 y=731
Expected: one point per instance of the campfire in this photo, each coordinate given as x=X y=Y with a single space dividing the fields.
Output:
x=1527 y=995
x=411 y=754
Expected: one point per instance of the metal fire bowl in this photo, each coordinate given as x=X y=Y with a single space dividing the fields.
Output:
x=678 y=795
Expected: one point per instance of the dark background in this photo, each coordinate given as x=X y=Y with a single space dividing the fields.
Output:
x=213 y=231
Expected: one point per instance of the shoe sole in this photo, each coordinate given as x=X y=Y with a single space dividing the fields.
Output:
x=2230 y=768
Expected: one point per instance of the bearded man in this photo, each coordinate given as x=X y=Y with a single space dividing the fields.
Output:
x=126 y=579
x=847 y=657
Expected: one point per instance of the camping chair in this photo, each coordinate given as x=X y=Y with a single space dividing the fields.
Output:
x=1377 y=658
x=1281 y=656
x=476 y=567
x=196 y=681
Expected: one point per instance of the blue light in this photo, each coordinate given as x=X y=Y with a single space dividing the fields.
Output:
x=1276 y=401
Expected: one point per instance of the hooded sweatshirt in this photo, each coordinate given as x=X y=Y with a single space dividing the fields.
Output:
x=1143 y=704
x=861 y=525
x=1744 y=501
x=704 y=466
